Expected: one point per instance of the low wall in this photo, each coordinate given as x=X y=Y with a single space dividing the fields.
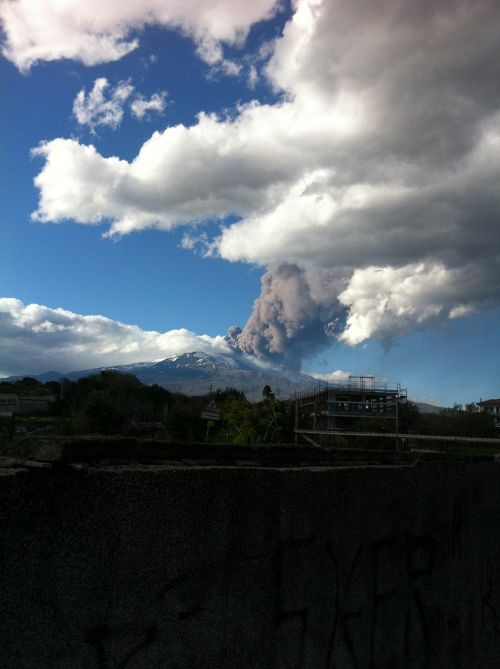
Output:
x=185 y=566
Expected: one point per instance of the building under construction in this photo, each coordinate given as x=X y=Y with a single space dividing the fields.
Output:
x=346 y=405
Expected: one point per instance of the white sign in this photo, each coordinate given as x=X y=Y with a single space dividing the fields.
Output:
x=210 y=415
x=210 y=412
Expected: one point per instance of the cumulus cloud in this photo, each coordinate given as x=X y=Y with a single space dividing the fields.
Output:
x=97 y=32
x=379 y=165
x=102 y=105
x=36 y=339
x=338 y=376
x=141 y=107
x=390 y=302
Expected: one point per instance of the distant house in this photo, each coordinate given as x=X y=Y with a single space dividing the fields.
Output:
x=342 y=406
x=10 y=403
x=492 y=408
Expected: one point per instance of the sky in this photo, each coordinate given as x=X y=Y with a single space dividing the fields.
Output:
x=322 y=174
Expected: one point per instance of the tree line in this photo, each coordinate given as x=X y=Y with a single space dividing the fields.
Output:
x=115 y=403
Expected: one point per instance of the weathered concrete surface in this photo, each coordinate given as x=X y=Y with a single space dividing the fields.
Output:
x=190 y=567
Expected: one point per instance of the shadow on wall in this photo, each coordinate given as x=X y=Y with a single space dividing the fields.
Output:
x=319 y=568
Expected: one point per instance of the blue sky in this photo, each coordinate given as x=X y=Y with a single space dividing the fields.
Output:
x=347 y=158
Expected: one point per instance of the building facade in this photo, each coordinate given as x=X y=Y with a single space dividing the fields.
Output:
x=11 y=403
x=347 y=405
x=492 y=408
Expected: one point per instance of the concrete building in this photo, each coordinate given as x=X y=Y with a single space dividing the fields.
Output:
x=11 y=403
x=342 y=406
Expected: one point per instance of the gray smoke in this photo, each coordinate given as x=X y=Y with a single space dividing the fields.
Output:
x=233 y=336
x=296 y=315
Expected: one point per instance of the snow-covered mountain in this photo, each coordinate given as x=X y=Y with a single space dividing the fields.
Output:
x=196 y=372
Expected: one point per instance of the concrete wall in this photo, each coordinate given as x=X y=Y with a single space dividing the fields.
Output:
x=191 y=567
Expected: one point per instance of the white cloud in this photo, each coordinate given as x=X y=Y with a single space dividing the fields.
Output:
x=140 y=107
x=183 y=174
x=35 y=339
x=253 y=77
x=391 y=302
x=225 y=67
x=380 y=163
x=102 y=105
x=338 y=376
x=97 y=32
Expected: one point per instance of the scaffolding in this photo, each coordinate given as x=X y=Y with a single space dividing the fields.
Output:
x=343 y=405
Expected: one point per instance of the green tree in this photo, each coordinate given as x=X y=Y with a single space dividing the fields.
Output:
x=268 y=421
x=239 y=418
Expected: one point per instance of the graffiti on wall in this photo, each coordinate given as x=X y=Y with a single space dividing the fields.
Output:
x=308 y=605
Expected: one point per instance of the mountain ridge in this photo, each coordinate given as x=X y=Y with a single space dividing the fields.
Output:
x=197 y=372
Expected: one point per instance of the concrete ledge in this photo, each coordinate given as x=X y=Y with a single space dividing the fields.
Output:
x=117 y=449
x=263 y=567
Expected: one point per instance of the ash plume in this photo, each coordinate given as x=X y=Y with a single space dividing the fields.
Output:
x=233 y=336
x=296 y=314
